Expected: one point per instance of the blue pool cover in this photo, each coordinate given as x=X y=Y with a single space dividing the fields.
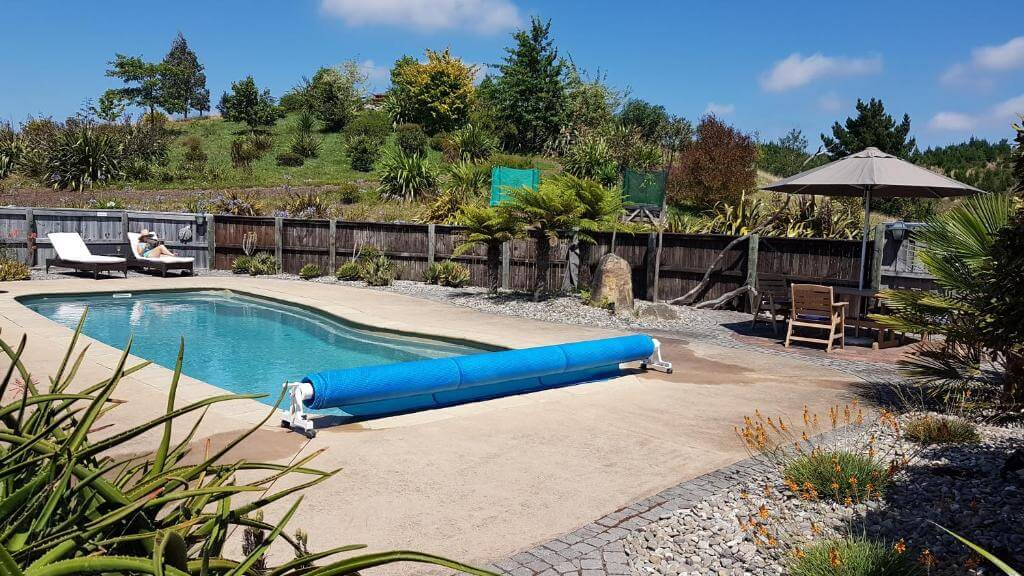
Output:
x=377 y=390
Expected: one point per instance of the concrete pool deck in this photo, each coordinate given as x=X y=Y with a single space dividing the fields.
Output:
x=476 y=482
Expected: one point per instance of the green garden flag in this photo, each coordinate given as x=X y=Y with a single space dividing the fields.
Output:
x=502 y=179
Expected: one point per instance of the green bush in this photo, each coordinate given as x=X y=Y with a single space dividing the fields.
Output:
x=513 y=161
x=379 y=271
x=263 y=142
x=262 y=264
x=77 y=502
x=438 y=142
x=334 y=95
x=13 y=270
x=363 y=153
x=290 y=159
x=941 y=430
x=839 y=474
x=349 y=271
x=193 y=159
x=447 y=273
x=81 y=156
x=371 y=124
x=244 y=152
x=407 y=178
x=241 y=264
x=237 y=203
x=348 y=193
x=853 y=557
x=411 y=139
x=307 y=205
x=310 y=271
x=306 y=144
x=469 y=143
x=591 y=158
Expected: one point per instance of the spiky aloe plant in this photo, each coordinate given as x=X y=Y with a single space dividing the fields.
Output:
x=72 y=504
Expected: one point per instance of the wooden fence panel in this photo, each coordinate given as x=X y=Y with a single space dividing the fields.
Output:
x=102 y=230
x=230 y=231
x=686 y=257
x=305 y=242
x=812 y=260
x=523 y=269
x=406 y=244
x=14 y=231
x=185 y=234
x=447 y=239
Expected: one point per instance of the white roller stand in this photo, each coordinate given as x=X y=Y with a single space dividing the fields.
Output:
x=655 y=362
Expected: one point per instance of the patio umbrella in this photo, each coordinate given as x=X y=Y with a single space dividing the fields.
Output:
x=871 y=173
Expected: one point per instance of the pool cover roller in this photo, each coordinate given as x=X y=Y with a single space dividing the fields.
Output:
x=371 y=391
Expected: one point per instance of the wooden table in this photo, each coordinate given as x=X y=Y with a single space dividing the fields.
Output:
x=861 y=305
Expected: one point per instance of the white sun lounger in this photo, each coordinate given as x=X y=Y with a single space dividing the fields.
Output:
x=161 y=264
x=73 y=253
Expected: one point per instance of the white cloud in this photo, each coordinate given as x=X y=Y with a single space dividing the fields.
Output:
x=986 y=60
x=375 y=75
x=830 y=102
x=952 y=122
x=998 y=115
x=719 y=109
x=480 y=16
x=796 y=70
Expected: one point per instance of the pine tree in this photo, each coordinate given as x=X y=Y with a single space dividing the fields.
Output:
x=531 y=89
x=871 y=127
x=183 y=79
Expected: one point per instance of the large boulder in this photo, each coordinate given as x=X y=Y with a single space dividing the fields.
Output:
x=613 y=284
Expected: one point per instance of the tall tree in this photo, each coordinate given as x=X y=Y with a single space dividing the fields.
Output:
x=718 y=166
x=872 y=127
x=246 y=103
x=783 y=157
x=531 y=89
x=336 y=94
x=437 y=94
x=142 y=79
x=182 y=79
x=650 y=119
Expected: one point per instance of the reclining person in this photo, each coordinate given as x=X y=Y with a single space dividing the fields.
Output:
x=150 y=247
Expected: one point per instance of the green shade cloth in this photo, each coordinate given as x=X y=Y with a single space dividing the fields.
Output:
x=503 y=179
x=644 y=188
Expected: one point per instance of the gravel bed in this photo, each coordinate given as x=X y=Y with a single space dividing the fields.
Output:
x=961 y=487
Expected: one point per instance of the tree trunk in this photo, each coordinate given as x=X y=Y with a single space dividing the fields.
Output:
x=493 y=267
x=1013 y=385
x=540 y=289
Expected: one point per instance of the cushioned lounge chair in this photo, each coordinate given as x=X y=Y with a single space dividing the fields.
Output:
x=161 y=264
x=73 y=253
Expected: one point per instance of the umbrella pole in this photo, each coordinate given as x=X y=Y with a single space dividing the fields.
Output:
x=864 y=238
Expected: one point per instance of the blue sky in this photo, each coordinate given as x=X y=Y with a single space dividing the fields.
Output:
x=957 y=68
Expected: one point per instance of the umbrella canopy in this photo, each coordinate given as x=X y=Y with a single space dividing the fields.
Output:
x=871 y=173
x=885 y=175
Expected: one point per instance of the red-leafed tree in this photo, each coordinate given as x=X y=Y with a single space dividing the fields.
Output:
x=718 y=166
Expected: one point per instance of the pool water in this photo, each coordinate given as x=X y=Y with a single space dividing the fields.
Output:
x=241 y=343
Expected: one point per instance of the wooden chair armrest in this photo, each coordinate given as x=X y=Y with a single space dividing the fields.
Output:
x=839 y=304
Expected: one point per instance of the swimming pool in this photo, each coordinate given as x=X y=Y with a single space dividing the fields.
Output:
x=242 y=343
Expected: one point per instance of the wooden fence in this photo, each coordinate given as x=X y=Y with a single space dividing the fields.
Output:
x=215 y=241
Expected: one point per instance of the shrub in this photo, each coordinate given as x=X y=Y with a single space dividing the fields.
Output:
x=238 y=203
x=406 y=177
x=306 y=205
x=447 y=273
x=334 y=95
x=80 y=156
x=290 y=159
x=263 y=263
x=348 y=193
x=929 y=429
x=194 y=158
x=838 y=474
x=717 y=166
x=244 y=152
x=438 y=142
x=247 y=104
x=263 y=142
x=13 y=270
x=310 y=271
x=306 y=144
x=411 y=139
x=349 y=271
x=371 y=124
x=469 y=143
x=513 y=161
x=363 y=153
x=590 y=157
x=378 y=271
x=241 y=264
x=75 y=504
x=853 y=557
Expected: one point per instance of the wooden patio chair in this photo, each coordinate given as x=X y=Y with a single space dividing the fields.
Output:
x=773 y=297
x=815 y=307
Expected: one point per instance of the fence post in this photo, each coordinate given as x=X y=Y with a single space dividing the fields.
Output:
x=30 y=243
x=430 y=244
x=332 y=244
x=657 y=265
x=650 y=265
x=571 y=278
x=211 y=242
x=279 y=242
x=506 y=265
x=124 y=229
x=876 y=257
x=752 y=247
